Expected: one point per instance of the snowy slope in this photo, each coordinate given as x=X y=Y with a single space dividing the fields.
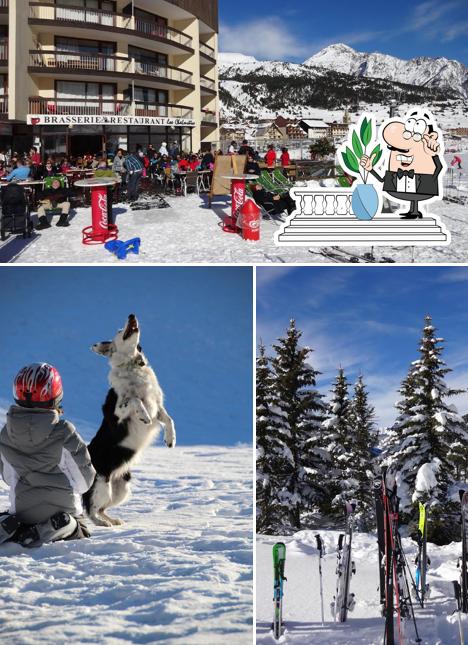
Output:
x=365 y=626
x=179 y=570
x=425 y=71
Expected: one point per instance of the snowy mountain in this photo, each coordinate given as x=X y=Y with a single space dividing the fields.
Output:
x=440 y=73
x=337 y=78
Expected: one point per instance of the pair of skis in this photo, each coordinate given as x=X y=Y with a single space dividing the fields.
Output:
x=421 y=586
x=344 y=600
x=279 y=561
x=395 y=595
x=461 y=587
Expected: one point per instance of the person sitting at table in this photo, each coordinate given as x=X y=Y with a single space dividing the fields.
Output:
x=49 y=169
x=20 y=173
x=3 y=171
x=194 y=162
x=35 y=156
x=270 y=157
x=65 y=165
x=274 y=204
x=55 y=196
x=252 y=167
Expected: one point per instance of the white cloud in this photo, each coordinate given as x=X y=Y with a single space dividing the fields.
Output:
x=267 y=38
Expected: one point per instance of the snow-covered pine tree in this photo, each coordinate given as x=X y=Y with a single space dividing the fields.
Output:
x=304 y=411
x=274 y=458
x=337 y=439
x=362 y=445
x=432 y=430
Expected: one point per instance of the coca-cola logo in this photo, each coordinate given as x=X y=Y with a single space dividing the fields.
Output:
x=254 y=224
x=238 y=195
x=102 y=207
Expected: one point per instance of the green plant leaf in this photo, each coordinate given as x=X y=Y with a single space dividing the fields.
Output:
x=375 y=152
x=377 y=159
x=357 y=147
x=367 y=134
x=363 y=128
x=350 y=160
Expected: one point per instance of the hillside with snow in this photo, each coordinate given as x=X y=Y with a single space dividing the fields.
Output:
x=437 y=623
x=441 y=73
x=339 y=78
x=179 y=571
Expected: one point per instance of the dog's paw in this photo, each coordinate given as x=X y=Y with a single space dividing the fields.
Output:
x=116 y=521
x=100 y=521
x=170 y=439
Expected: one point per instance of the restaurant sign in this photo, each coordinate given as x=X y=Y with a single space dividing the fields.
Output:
x=101 y=119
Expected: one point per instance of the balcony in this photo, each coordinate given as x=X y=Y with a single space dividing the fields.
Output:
x=3 y=51
x=4 y=105
x=208 y=86
x=64 y=64
x=56 y=16
x=3 y=5
x=104 y=106
x=206 y=50
x=208 y=118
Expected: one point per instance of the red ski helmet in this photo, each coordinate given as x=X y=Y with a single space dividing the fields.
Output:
x=38 y=386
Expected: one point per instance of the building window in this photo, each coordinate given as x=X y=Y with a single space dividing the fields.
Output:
x=147 y=22
x=147 y=58
x=82 y=46
x=85 y=98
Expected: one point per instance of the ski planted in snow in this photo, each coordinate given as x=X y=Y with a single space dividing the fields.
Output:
x=457 y=590
x=397 y=589
x=464 y=558
x=279 y=560
x=321 y=550
x=343 y=600
x=421 y=586
x=379 y=514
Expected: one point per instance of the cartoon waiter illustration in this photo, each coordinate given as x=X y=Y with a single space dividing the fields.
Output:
x=415 y=166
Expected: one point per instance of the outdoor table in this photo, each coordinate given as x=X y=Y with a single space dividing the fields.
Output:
x=100 y=230
x=29 y=184
x=238 y=198
x=182 y=175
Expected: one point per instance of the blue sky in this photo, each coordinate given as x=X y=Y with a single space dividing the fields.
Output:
x=196 y=331
x=294 y=31
x=368 y=320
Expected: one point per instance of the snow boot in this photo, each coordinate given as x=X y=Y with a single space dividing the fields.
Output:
x=58 y=527
x=63 y=221
x=43 y=223
x=9 y=524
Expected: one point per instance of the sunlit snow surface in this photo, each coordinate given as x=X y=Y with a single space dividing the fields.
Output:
x=178 y=571
x=301 y=614
x=189 y=232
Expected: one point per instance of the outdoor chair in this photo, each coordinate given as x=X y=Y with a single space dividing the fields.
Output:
x=280 y=179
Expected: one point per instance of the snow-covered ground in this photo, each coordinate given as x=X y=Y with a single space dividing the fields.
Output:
x=190 y=232
x=178 y=571
x=437 y=624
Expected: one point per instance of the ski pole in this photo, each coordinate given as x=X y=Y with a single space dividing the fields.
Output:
x=457 y=590
x=321 y=550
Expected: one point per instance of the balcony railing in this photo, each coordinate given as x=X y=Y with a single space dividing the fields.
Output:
x=206 y=49
x=61 y=60
x=208 y=117
x=108 y=106
x=4 y=104
x=3 y=49
x=3 y=4
x=67 y=14
x=208 y=83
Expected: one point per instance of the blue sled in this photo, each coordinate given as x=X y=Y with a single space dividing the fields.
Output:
x=122 y=249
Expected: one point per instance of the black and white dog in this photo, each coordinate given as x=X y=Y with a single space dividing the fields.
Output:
x=133 y=412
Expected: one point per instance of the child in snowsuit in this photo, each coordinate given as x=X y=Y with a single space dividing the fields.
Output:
x=44 y=461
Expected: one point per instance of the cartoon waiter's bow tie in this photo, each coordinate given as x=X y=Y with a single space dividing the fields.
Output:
x=405 y=173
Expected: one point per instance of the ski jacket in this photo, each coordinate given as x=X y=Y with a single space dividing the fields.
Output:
x=270 y=158
x=45 y=463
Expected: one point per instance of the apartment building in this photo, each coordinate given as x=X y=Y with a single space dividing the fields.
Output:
x=80 y=76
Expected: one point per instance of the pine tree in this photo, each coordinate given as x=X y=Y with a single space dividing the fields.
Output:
x=337 y=438
x=430 y=429
x=274 y=459
x=303 y=409
x=363 y=443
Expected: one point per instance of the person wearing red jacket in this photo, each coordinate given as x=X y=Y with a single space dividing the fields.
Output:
x=285 y=158
x=270 y=156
